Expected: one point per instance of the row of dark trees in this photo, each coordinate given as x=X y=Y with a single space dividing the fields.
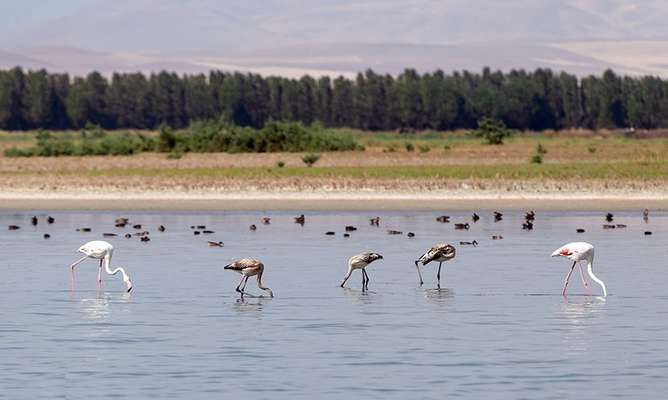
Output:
x=535 y=100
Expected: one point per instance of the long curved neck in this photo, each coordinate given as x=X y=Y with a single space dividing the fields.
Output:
x=595 y=278
x=259 y=284
x=107 y=267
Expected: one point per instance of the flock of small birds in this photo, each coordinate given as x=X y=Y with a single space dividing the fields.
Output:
x=144 y=235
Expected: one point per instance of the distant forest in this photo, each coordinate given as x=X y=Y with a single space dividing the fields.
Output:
x=523 y=100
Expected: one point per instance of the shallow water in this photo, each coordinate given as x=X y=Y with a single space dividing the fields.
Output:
x=498 y=328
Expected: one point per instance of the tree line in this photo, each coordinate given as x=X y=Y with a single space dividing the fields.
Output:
x=523 y=100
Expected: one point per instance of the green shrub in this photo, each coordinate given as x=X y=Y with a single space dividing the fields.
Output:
x=167 y=139
x=409 y=146
x=16 y=152
x=280 y=164
x=390 y=148
x=447 y=147
x=175 y=155
x=492 y=131
x=424 y=148
x=541 y=150
x=537 y=159
x=591 y=149
x=199 y=137
x=310 y=159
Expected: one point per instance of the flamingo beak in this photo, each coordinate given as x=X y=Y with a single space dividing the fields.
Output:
x=129 y=283
x=556 y=253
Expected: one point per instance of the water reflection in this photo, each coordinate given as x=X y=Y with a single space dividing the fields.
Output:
x=96 y=308
x=358 y=296
x=249 y=303
x=579 y=313
x=439 y=296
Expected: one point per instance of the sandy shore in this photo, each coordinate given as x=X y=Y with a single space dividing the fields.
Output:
x=370 y=200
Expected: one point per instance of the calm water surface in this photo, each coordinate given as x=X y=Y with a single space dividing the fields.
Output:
x=497 y=329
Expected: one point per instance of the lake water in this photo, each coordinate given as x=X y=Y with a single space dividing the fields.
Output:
x=498 y=328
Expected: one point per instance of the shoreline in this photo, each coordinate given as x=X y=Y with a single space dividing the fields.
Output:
x=328 y=200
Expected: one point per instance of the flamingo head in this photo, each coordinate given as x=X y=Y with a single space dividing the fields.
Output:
x=563 y=251
x=449 y=252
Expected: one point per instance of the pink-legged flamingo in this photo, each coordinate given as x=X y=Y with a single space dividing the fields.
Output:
x=576 y=252
x=100 y=250
x=248 y=267
x=361 y=261
x=440 y=252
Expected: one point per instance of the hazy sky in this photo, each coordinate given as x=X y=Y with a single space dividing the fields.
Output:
x=15 y=12
x=579 y=35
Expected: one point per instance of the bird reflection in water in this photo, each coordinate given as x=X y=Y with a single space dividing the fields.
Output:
x=439 y=295
x=249 y=303
x=100 y=307
x=359 y=296
x=580 y=314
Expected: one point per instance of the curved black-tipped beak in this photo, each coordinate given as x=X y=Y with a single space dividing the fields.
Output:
x=416 y=262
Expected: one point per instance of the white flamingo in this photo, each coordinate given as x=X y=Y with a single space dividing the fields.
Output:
x=576 y=252
x=100 y=250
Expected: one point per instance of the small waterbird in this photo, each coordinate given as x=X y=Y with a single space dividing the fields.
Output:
x=100 y=250
x=248 y=267
x=361 y=261
x=576 y=252
x=440 y=252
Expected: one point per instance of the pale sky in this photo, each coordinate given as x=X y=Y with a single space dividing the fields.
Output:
x=13 y=12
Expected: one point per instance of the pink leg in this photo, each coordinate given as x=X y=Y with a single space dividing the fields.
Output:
x=568 y=277
x=584 y=280
x=74 y=264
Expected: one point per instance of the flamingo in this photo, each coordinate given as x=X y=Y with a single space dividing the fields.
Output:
x=100 y=250
x=361 y=261
x=576 y=252
x=440 y=253
x=248 y=267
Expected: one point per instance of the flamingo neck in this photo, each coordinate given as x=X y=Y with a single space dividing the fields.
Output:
x=595 y=278
x=107 y=267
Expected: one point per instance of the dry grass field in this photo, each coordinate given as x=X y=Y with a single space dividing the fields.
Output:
x=423 y=161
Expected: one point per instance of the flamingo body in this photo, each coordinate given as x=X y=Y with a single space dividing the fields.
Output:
x=577 y=252
x=103 y=251
x=361 y=261
x=248 y=267
x=441 y=253
x=96 y=249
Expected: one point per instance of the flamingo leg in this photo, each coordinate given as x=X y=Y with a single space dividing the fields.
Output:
x=366 y=284
x=238 y=289
x=74 y=264
x=363 y=280
x=99 y=276
x=438 y=274
x=584 y=280
x=568 y=277
x=243 y=288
